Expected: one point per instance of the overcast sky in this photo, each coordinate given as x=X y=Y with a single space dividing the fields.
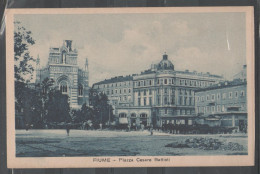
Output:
x=123 y=44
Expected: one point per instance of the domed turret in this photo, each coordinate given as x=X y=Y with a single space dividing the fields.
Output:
x=165 y=64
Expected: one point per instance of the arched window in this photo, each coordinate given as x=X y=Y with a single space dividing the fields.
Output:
x=133 y=115
x=143 y=115
x=64 y=87
x=122 y=115
x=80 y=90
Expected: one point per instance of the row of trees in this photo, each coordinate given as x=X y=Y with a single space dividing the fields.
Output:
x=46 y=104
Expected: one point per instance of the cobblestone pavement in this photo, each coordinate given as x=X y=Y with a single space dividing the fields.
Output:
x=49 y=143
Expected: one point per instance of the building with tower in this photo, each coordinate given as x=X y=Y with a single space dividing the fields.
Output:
x=63 y=68
x=159 y=95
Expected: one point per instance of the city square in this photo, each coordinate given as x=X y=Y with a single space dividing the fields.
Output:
x=88 y=143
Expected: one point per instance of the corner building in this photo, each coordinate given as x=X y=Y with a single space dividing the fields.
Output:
x=162 y=95
x=224 y=104
x=63 y=68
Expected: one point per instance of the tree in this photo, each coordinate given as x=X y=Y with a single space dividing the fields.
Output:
x=102 y=110
x=23 y=70
x=58 y=108
x=23 y=60
x=45 y=87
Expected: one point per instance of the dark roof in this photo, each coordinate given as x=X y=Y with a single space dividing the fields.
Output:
x=225 y=84
x=196 y=73
x=115 y=79
x=149 y=71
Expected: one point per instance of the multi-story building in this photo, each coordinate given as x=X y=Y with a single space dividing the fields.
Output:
x=119 y=90
x=161 y=95
x=223 y=104
x=242 y=74
x=63 y=68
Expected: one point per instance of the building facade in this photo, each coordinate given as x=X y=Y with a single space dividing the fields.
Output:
x=160 y=95
x=119 y=90
x=224 y=104
x=63 y=68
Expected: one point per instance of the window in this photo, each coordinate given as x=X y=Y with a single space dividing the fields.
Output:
x=185 y=100
x=165 y=111
x=144 y=83
x=158 y=100
x=223 y=108
x=80 y=90
x=63 y=87
x=139 y=93
x=139 y=102
x=212 y=108
x=208 y=109
x=202 y=98
x=158 y=81
x=120 y=91
x=165 y=81
x=144 y=101
x=150 y=101
x=116 y=91
x=165 y=91
x=180 y=100
x=224 y=95
x=165 y=100
x=218 y=108
x=150 y=91
x=190 y=101
x=185 y=82
x=242 y=93
x=150 y=82
x=112 y=92
x=180 y=91
x=236 y=94
x=124 y=90
x=198 y=98
x=213 y=97
x=180 y=82
x=173 y=100
x=144 y=92
x=218 y=96
x=207 y=97
x=139 y=83
x=129 y=90
x=230 y=94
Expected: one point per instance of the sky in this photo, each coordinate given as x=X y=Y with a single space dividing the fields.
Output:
x=124 y=44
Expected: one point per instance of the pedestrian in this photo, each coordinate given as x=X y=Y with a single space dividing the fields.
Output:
x=68 y=130
x=129 y=127
x=151 y=130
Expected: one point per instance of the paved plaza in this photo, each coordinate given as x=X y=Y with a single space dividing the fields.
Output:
x=56 y=143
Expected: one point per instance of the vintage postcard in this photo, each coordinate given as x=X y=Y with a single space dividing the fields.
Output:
x=130 y=87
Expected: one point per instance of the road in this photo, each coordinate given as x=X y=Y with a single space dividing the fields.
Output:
x=56 y=143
